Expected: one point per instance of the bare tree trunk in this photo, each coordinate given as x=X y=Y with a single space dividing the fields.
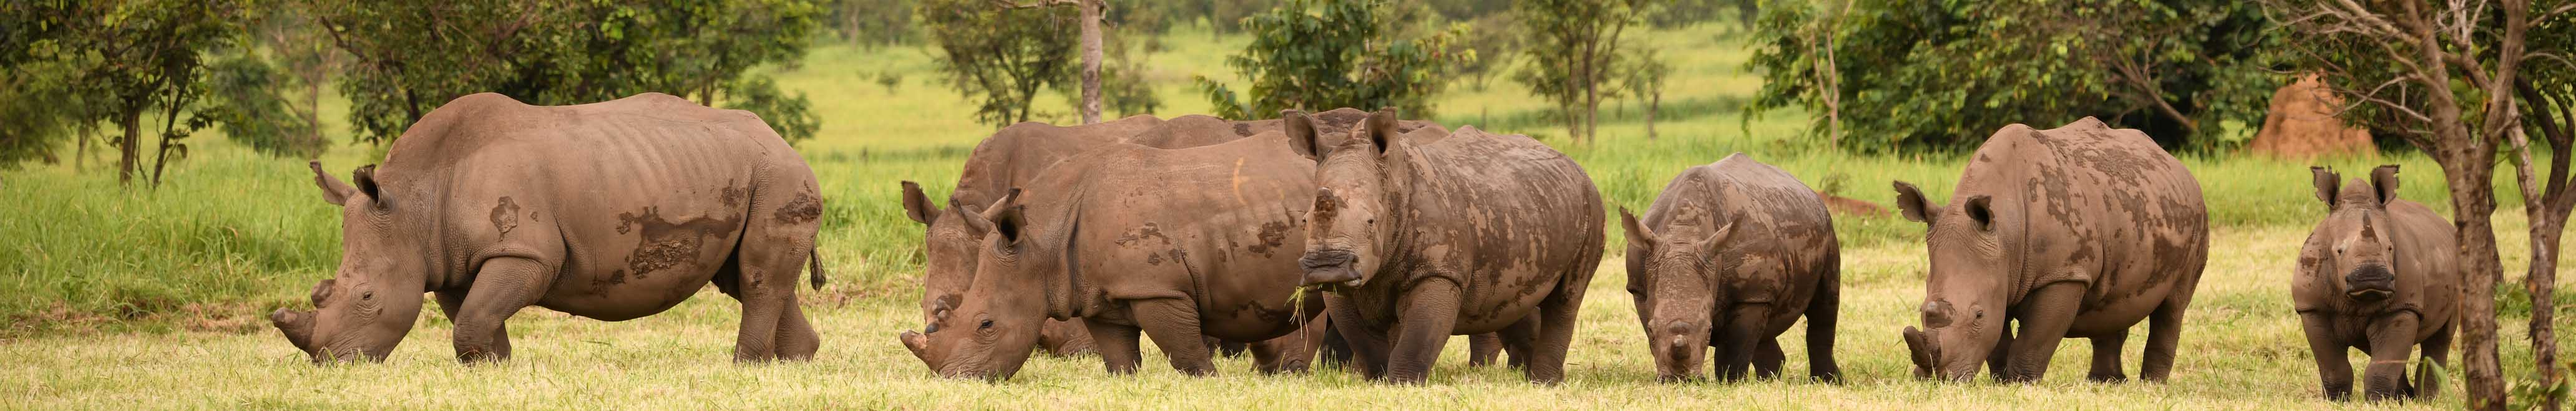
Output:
x=128 y=147
x=1654 y=102
x=1091 y=11
x=2547 y=212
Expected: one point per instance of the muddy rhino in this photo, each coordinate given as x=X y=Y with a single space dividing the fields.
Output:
x=1729 y=256
x=1176 y=244
x=2079 y=231
x=2378 y=274
x=612 y=211
x=1470 y=233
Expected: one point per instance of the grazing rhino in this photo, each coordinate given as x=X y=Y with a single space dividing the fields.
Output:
x=2078 y=231
x=612 y=210
x=1470 y=233
x=2379 y=275
x=1006 y=159
x=1729 y=256
x=1178 y=244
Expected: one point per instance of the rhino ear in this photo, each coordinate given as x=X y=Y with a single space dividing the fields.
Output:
x=2384 y=179
x=1301 y=133
x=365 y=176
x=1639 y=237
x=917 y=205
x=1004 y=217
x=1981 y=209
x=1708 y=246
x=1381 y=128
x=333 y=190
x=2327 y=184
x=1910 y=200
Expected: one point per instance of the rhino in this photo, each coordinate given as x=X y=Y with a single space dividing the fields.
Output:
x=1729 y=256
x=1006 y=159
x=2079 y=231
x=1174 y=243
x=2378 y=274
x=1469 y=233
x=612 y=211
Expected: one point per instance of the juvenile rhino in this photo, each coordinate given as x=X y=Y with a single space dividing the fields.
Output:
x=2079 y=231
x=1006 y=159
x=1471 y=233
x=1177 y=244
x=2379 y=275
x=1729 y=256
x=612 y=210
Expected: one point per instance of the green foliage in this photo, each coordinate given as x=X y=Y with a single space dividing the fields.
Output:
x=1327 y=54
x=241 y=92
x=40 y=71
x=74 y=64
x=785 y=113
x=1002 y=57
x=409 y=56
x=1945 y=74
x=873 y=23
x=1570 y=53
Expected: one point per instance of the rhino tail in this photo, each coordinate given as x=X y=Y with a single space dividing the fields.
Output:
x=814 y=267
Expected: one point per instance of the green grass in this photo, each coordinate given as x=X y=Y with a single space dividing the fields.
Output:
x=118 y=296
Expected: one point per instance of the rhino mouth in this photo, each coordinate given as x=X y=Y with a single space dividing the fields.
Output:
x=1330 y=267
x=2370 y=283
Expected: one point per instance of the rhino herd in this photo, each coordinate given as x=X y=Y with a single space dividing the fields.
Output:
x=1341 y=236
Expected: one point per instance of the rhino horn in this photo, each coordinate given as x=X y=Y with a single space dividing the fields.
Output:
x=297 y=326
x=1920 y=346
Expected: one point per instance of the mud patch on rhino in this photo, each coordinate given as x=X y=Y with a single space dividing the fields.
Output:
x=505 y=216
x=1137 y=236
x=800 y=210
x=1243 y=129
x=731 y=195
x=666 y=244
x=1273 y=234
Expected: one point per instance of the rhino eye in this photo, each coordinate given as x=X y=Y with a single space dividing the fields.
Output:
x=369 y=296
x=987 y=325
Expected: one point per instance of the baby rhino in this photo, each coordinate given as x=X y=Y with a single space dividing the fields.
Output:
x=2379 y=275
x=1730 y=256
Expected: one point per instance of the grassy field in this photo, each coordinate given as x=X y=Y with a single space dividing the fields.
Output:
x=122 y=296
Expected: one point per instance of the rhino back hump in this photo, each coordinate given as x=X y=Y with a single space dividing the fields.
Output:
x=1489 y=205
x=2103 y=203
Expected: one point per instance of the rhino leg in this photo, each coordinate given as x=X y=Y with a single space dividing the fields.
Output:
x=1368 y=347
x=1116 y=344
x=500 y=289
x=2048 y=312
x=1741 y=337
x=2392 y=339
x=2334 y=364
x=1173 y=323
x=1482 y=348
x=1822 y=314
x=2164 y=336
x=796 y=338
x=1519 y=341
x=1557 y=317
x=2437 y=354
x=1428 y=314
x=449 y=302
x=1290 y=353
x=2106 y=358
x=1767 y=358
x=1999 y=361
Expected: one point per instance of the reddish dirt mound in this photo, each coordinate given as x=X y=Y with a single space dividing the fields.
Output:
x=1851 y=206
x=2301 y=125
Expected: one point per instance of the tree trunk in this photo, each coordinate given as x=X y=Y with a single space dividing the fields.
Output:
x=1091 y=10
x=2468 y=171
x=2547 y=213
x=1654 y=102
x=128 y=147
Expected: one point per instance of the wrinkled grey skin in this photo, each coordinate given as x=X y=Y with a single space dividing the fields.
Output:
x=2080 y=231
x=1175 y=244
x=612 y=210
x=2377 y=274
x=1469 y=233
x=1730 y=255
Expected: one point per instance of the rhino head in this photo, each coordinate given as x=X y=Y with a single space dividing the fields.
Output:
x=372 y=299
x=1348 y=229
x=1964 y=306
x=949 y=251
x=990 y=330
x=1679 y=283
x=2353 y=243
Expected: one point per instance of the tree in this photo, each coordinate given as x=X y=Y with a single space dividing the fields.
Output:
x=134 y=58
x=999 y=56
x=1937 y=74
x=41 y=65
x=1326 y=54
x=299 y=47
x=1493 y=50
x=409 y=56
x=2450 y=74
x=1572 y=46
x=2548 y=93
x=1643 y=77
x=1091 y=11
x=872 y=23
